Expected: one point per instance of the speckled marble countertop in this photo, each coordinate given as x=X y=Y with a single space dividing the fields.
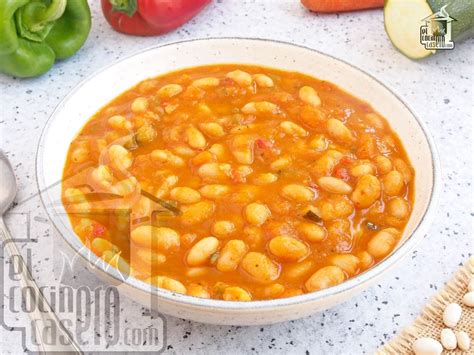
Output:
x=440 y=89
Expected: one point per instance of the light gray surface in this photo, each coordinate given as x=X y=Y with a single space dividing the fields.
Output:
x=440 y=89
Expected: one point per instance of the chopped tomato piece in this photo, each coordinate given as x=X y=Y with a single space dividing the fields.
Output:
x=346 y=160
x=341 y=173
x=98 y=230
x=263 y=143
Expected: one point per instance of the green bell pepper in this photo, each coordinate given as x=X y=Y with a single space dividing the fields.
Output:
x=34 y=33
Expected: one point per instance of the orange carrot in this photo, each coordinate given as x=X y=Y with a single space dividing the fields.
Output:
x=340 y=5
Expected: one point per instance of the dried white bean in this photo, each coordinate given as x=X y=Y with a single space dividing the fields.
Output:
x=448 y=339
x=464 y=342
x=427 y=346
x=452 y=314
x=470 y=285
x=468 y=299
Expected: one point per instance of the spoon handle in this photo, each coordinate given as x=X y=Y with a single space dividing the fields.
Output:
x=50 y=332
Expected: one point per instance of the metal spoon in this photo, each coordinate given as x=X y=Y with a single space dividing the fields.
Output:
x=50 y=332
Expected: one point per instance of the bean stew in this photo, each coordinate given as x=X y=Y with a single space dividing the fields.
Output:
x=239 y=183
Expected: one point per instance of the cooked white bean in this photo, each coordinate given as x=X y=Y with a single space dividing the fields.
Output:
x=427 y=346
x=257 y=213
x=197 y=212
x=280 y=163
x=185 y=195
x=167 y=283
x=206 y=82
x=219 y=151
x=393 y=183
x=452 y=315
x=200 y=252
x=288 y=248
x=195 y=138
x=334 y=185
x=312 y=232
x=263 y=80
x=80 y=154
x=293 y=129
x=464 y=342
x=139 y=105
x=298 y=193
x=375 y=120
x=347 y=262
x=326 y=163
x=448 y=339
x=383 y=242
x=150 y=257
x=384 y=165
x=120 y=157
x=166 y=157
x=212 y=129
x=215 y=171
x=197 y=290
x=170 y=90
x=325 y=277
x=366 y=192
x=260 y=266
x=231 y=255
x=155 y=237
x=403 y=168
x=119 y=122
x=261 y=107
x=319 y=143
x=242 y=149
x=223 y=229
x=468 y=299
x=214 y=192
x=265 y=179
x=398 y=208
x=338 y=131
x=125 y=186
x=236 y=293
x=102 y=175
x=308 y=95
x=240 y=77
x=363 y=169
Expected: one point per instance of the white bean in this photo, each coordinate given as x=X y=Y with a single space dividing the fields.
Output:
x=240 y=77
x=170 y=90
x=464 y=342
x=257 y=213
x=427 y=346
x=263 y=80
x=261 y=107
x=448 y=339
x=308 y=95
x=205 y=82
x=334 y=185
x=202 y=251
x=468 y=299
x=470 y=285
x=452 y=315
x=293 y=129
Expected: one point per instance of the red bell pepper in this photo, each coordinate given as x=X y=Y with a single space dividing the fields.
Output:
x=150 y=17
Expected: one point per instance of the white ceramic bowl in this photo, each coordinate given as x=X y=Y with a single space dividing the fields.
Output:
x=100 y=88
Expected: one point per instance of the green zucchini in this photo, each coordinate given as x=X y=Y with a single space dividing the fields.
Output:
x=404 y=18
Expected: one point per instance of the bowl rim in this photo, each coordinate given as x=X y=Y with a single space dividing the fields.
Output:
x=353 y=283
